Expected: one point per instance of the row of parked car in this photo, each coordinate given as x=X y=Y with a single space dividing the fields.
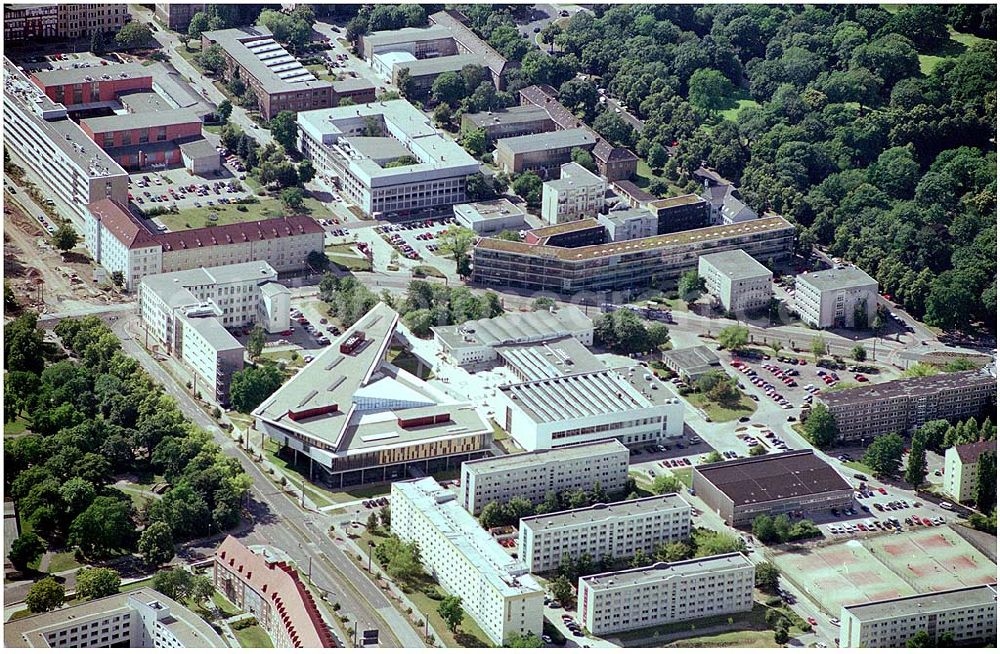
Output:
x=763 y=384
x=375 y=503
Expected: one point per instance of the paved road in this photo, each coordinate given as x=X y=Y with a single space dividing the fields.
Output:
x=282 y=523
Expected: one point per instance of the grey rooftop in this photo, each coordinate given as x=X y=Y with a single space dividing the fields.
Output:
x=658 y=573
x=925 y=604
x=736 y=265
x=546 y=457
x=565 y=138
x=836 y=278
x=598 y=513
x=515 y=327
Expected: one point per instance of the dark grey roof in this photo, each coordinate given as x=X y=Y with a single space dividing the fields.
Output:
x=914 y=387
x=771 y=477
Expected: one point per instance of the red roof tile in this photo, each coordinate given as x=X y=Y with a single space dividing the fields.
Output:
x=119 y=221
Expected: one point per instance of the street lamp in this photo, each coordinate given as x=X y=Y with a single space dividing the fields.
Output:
x=370 y=557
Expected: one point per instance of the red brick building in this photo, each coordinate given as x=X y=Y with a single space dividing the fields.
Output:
x=137 y=141
x=73 y=87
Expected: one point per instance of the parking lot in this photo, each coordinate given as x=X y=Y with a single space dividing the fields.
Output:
x=179 y=188
x=417 y=239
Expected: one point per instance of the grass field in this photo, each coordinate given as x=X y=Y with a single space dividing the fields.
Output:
x=722 y=413
x=15 y=427
x=742 y=99
x=63 y=561
x=226 y=608
x=347 y=257
x=958 y=44
x=253 y=636
x=745 y=638
x=860 y=467
x=644 y=176
x=227 y=214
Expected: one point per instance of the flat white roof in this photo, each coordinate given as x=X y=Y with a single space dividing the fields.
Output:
x=515 y=327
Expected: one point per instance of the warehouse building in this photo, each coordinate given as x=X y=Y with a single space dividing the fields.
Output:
x=832 y=298
x=490 y=217
x=387 y=157
x=142 y=618
x=360 y=420
x=902 y=405
x=476 y=341
x=665 y=593
x=578 y=193
x=770 y=484
x=496 y=589
x=633 y=264
x=961 y=468
x=543 y=153
x=603 y=531
x=585 y=407
x=738 y=281
x=968 y=614
x=532 y=475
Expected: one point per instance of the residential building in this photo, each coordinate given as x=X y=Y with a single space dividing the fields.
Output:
x=271 y=590
x=836 y=297
x=613 y=163
x=542 y=153
x=679 y=213
x=532 y=475
x=476 y=341
x=189 y=312
x=902 y=405
x=40 y=136
x=512 y=121
x=968 y=614
x=665 y=593
x=961 y=468
x=633 y=264
x=578 y=233
x=360 y=420
x=628 y=225
x=121 y=242
x=490 y=217
x=175 y=15
x=635 y=196
x=37 y=22
x=142 y=618
x=603 y=531
x=693 y=362
x=578 y=193
x=276 y=78
x=386 y=157
x=770 y=484
x=467 y=42
x=585 y=407
x=496 y=589
x=726 y=206
x=739 y=282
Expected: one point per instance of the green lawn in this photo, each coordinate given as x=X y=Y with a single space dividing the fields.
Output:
x=212 y=129
x=15 y=427
x=146 y=583
x=860 y=467
x=644 y=176
x=320 y=71
x=63 y=561
x=226 y=608
x=296 y=475
x=251 y=637
x=405 y=360
x=746 y=638
x=347 y=256
x=955 y=46
x=226 y=214
x=720 y=413
x=683 y=474
x=428 y=271
x=742 y=99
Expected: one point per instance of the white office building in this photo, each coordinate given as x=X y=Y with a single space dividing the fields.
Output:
x=386 y=157
x=829 y=298
x=664 y=593
x=585 y=407
x=532 y=475
x=578 y=193
x=961 y=467
x=737 y=281
x=496 y=589
x=968 y=614
x=490 y=217
x=191 y=312
x=629 y=224
x=616 y=531
x=476 y=341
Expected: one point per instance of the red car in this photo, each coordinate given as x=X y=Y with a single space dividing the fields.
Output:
x=288 y=332
x=927 y=522
x=882 y=490
x=811 y=620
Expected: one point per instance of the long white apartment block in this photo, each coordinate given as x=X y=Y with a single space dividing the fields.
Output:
x=615 y=530
x=582 y=408
x=496 y=589
x=663 y=593
x=968 y=614
x=532 y=475
x=578 y=193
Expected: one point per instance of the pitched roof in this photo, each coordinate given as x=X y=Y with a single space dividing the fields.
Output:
x=969 y=452
x=126 y=228
x=455 y=21
x=279 y=585
x=238 y=232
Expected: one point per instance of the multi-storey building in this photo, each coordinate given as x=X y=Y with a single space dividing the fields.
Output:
x=961 y=467
x=635 y=196
x=30 y=22
x=423 y=72
x=633 y=264
x=139 y=140
x=141 y=618
x=476 y=341
x=904 y=404
x=277 y=79
x=603 y=531
x=361 y=420
x=578 y=193
x=968 y=614
x=513 y=121
x=190 y=312
x=585 y=407
x=175 y=15
x=381 y=49
x=738 y=281
x=665 y=593
x=833 y=297
x=496 y=589
x=120 y=242
x=490 y=216
x=387 y=157
x=532 y=475
x=40 y=134
x=270 y=590
x=679 y=213
x=771 y=484
x=628 y=225
x=543 y=153
x=468 y=42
